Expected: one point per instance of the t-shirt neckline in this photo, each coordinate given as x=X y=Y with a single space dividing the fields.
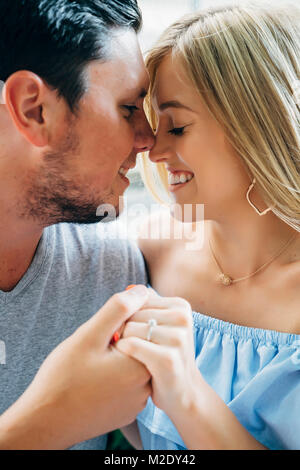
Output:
x=33 y=270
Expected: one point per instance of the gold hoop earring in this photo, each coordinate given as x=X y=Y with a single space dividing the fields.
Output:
x=251 y=203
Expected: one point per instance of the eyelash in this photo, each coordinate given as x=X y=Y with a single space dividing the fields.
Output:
x=131 y=109
x=177 y=131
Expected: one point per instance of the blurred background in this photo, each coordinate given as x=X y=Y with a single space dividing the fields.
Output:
x=157 y=16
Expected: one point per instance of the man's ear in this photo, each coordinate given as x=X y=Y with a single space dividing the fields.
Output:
x=24 y=95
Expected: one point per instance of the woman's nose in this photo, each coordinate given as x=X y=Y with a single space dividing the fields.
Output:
x=160 y=152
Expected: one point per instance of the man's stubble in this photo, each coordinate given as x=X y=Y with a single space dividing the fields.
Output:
x=54 y=193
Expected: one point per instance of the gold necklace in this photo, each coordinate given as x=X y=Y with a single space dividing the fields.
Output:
x=227 y=280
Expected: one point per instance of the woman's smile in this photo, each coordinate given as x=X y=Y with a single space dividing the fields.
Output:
x=178 y=179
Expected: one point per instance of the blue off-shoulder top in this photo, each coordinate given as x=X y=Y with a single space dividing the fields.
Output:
x=257 y=374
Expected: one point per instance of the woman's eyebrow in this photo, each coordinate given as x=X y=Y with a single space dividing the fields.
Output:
x=174 y=104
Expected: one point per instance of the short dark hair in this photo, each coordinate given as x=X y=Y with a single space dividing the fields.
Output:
x=56 y=39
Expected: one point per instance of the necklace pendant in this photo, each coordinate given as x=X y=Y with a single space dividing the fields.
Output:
x=225 y=279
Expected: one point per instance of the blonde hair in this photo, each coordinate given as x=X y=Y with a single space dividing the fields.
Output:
x=244 y=62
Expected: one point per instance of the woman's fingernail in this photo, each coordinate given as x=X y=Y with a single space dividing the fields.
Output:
x=130 y=287
x=138 y=290
x=115 y=338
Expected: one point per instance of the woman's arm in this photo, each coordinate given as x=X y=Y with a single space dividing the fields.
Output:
x=206 y=422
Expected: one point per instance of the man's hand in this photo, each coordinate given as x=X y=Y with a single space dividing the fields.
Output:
x=84 y=388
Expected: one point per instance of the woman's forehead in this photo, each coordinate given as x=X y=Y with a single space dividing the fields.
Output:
x=172 y=84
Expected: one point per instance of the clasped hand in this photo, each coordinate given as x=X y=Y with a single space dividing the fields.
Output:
x=169 y=356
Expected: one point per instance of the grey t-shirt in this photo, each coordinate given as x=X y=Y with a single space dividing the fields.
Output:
x=75 y=270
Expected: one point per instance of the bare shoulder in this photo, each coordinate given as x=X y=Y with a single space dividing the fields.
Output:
x=294 y=295
x=291 y=269
x=154 y=234
x=162 y=240
x=288 y=288
x=161 y=232
x=295 y=278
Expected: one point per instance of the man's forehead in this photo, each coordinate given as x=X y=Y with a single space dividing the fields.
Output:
x=124 y=70
x=130 y=82
x=136 y=89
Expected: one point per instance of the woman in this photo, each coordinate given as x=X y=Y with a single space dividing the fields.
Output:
x=224 y=107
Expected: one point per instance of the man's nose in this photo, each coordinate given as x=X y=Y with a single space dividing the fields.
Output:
x=144 y=137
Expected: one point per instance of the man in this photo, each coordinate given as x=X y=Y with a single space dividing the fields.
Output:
x=71 y=118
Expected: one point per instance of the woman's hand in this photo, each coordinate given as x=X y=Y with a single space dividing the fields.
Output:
x=169 y=355
x=202 y=418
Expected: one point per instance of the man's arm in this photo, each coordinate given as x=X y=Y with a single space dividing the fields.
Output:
x=32 y=424
x=84 y=388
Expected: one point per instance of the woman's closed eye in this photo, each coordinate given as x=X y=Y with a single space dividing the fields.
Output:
x=177 y=131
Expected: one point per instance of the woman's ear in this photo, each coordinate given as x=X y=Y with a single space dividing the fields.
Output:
x=24 y=95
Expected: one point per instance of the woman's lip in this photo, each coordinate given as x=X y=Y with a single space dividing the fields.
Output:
x=174 y=172
x=175 y=187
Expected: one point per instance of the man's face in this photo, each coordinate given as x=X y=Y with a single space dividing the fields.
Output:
x=82 y=171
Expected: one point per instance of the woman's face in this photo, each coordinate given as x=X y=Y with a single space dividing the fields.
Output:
x=193 y=147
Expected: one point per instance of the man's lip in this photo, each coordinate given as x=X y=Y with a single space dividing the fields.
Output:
x=124 y=178
x=127 y=168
